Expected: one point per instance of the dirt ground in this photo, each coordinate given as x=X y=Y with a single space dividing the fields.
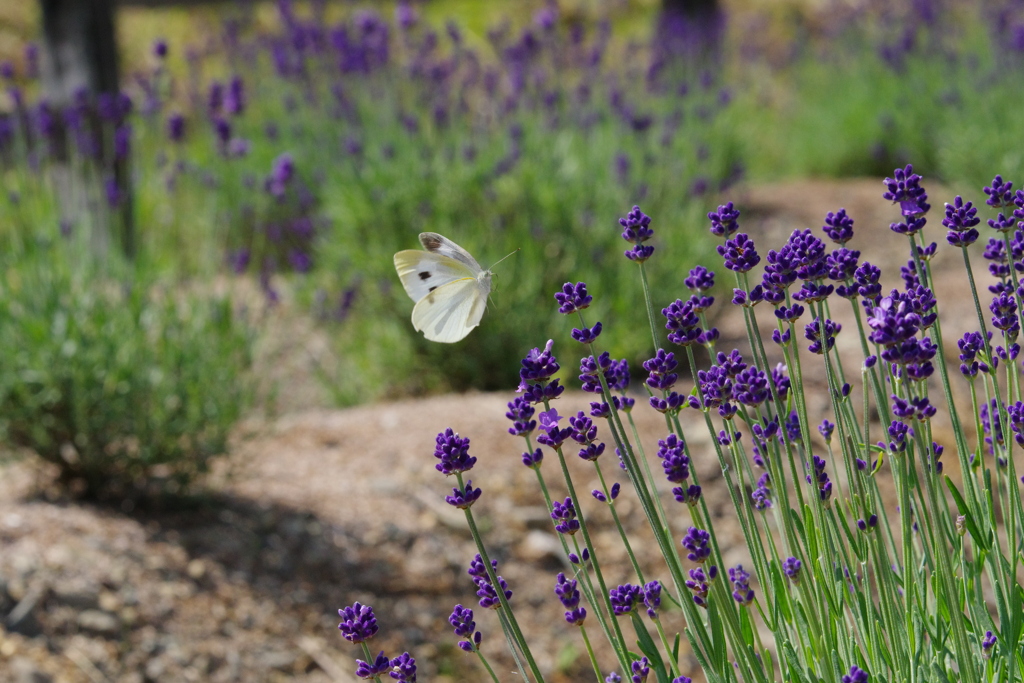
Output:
x=320 y=508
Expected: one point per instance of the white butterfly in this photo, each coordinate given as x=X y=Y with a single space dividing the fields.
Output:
x=448 y=285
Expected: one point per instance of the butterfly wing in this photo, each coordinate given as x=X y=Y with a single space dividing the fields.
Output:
x=422 y=272
x=450 y=312
x=439 y=244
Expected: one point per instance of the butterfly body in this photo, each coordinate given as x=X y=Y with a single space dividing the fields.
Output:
x=448 y=285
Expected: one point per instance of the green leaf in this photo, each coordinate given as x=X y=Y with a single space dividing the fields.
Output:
x=812 y=533
x=719 y=651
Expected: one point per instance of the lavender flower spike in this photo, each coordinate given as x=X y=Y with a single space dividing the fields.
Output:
x=403 y=668
x=905 y=189
x=724 y=221
x=380 y=665
x=358 y=623
x=636 y=230
x=856 y=675
x=453 y=452
x=960 y=220
x=573 y=298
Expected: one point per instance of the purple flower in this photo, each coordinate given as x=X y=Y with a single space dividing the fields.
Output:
x=564 y=515
x=453 y=452
x=636 y=226
x=812 y=292
x=533 y=460
x=652 y=598
x=488 y=596
x=405 y=16
x=215 y=98
x=1002 y=223
x=751 y=387
x=987 y=644
x=724 y=221
x=739 y=253
x=176 y=127
x=569 y=595
x=911 y=226
x=670 y=404
x=539 y=366
x=905 y=189
x=160 y=48
x=520 y=412
x=761 y=497
x=477 y=568
x=403 y=668
x=573 y=298
x=780 y=382
x=464 y=497
x=696 y=541
x=857 y=675
x=300 y=261
x=584 y=430
x=1015 y=413
x=613 y=493
x=113 y=192
x=358 y=624
x=1004 y=314
x=281 y=173
x=671 y=451
x=789 y=313
x=839 y=227
x=791 y=567
x=933 y=460
x=700 y=582
x=898 y=432
x=636 y=230
x=821 y=335
x=551 y=435
x=893 y=321
x=639 y=669
x=700 y=280
x=820 y=479
x=616 y=373
x=825 y=429
x=234 y=98
x=461 y=620
x=970 y=345
x=869 y=524
x=660 y=369
x=689 y=495
x=379 y=666
x=682 y=323
x=867 y=278
x=960 y=221
x=999 y=193
x=742 y=592
x=715 y=387
x=587 y=335
x=842 y=266
x=732 y=364
x=222 y=129
x=624 y=598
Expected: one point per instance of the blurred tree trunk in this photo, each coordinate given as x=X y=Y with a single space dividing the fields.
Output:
x=80 y=55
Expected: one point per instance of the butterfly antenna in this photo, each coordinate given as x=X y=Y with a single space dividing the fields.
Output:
x=505 y=257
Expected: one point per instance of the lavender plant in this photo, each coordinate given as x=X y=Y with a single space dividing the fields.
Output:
x=870 y=558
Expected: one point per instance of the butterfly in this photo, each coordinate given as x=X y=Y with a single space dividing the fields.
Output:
x=448 y=285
